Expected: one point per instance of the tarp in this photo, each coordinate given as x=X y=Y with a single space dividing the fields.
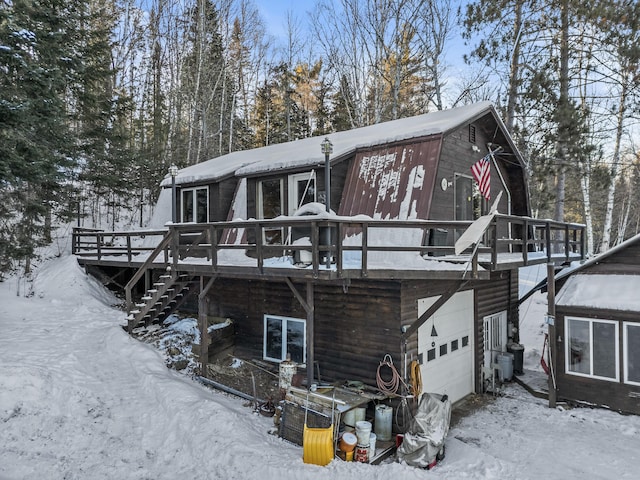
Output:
x=427 y=431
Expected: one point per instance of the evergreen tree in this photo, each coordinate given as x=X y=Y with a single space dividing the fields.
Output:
x=39 y=58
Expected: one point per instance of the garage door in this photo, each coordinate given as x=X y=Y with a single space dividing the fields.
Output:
x=447 y=358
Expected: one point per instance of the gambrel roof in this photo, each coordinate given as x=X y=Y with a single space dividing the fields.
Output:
x=307 y=152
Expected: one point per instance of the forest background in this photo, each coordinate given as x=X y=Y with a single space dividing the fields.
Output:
x=99 y=97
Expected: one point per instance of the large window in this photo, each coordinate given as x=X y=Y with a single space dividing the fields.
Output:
x=270 y=206
x=195 y=205
x=284 y=335
x=632 y=353
x=591 y=348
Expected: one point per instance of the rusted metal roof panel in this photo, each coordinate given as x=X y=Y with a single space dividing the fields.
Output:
x=392 y=182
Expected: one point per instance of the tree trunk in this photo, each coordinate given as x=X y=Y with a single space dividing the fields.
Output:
x=608 y=218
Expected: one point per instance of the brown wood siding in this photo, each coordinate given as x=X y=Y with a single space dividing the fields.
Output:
x=220 y=199
x=614 y=395
x=392 y=181
x=354 y=327
x=625 y=257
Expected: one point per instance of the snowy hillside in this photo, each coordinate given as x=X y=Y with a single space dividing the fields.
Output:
x=80 y=399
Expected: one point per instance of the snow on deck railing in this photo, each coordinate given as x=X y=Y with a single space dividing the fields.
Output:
x=329 y=242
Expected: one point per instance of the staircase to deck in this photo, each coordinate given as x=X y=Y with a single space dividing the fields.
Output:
x=158 y=302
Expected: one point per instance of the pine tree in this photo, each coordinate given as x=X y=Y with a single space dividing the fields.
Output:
x=39 y=58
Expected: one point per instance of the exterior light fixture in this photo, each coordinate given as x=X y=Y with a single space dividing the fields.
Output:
x=327 y=149
x=173 y=171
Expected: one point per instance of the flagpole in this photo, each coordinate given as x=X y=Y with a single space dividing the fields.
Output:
x=504 y=184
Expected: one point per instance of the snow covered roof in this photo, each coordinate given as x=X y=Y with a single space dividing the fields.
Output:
x=595 y=291
x=307 y=152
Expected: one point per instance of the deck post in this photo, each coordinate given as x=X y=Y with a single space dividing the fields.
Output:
x=203 y=320
x=551 y=306
x=308 y=306
x=310 y=333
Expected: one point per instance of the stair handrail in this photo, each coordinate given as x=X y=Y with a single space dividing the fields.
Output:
x=166 y=240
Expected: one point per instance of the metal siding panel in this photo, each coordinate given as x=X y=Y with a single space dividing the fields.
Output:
x=392 y=182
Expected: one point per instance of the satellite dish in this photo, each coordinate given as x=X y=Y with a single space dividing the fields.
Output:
x=475 y=231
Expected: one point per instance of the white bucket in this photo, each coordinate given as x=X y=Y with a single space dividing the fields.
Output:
x=363 y=432
x=383 y=420
x=354 y=416
x=372 y=446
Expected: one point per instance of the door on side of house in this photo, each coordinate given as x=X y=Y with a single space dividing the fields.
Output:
x=447 y=358
x=495 y=337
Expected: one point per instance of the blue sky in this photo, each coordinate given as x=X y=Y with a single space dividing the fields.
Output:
x=274 y=13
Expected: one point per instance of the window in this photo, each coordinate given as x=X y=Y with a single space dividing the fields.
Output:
x=465 y=340
x=431 y=354
x=468 y=201
x=302 y=190
x=454 y=345
x=591 y=348
x=632 y=353
x=270 y=206
x=472 y=133
x=284 y=335
x=443 y=349
x=195 y=205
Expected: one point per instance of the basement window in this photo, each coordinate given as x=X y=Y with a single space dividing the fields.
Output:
x=591 y=348
x=284 y=335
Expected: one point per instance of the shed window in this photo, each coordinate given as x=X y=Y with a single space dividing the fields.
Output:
x=591 y=349
x=284 y=335
x=632 y=353
x=195 y=205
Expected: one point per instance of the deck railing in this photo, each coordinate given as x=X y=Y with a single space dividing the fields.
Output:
x=341 y=242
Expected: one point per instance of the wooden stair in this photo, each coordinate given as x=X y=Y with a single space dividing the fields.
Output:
x=160 y=300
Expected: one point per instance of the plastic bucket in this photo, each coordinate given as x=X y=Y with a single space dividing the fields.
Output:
x=505 y=360
x=348 y=442
x=383 y=420
x=353 y=416
x=372 y=446
x=363 y=432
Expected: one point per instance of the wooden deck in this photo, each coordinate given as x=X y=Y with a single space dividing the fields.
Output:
x=334 y=249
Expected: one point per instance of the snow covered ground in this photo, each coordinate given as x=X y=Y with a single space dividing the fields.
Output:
x=80 y=399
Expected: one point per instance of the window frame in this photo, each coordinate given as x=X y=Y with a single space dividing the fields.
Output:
x=260 y=210
x=284 y=341
x=567 y=346
x=194 y=199
x=625 y=348
x=293 y=191
x=476 y=197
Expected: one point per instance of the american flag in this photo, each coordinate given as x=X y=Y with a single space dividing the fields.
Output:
x=481 y=171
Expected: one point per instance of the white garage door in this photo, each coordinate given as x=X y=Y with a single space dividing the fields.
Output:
x=447 y=359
